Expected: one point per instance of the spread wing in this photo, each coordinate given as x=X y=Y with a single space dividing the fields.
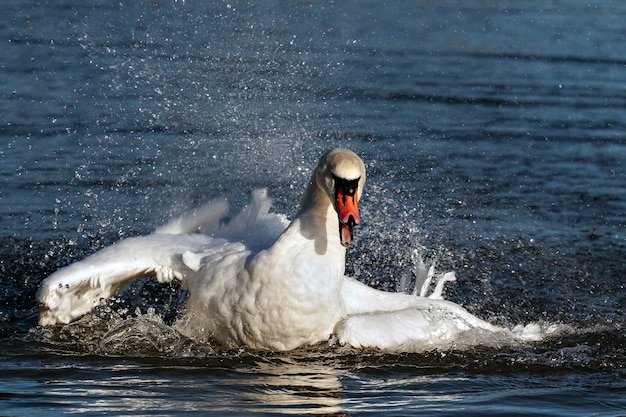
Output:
x=174 y=251
x=76 y=289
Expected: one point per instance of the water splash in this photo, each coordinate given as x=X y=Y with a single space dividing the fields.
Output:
x=106 y=332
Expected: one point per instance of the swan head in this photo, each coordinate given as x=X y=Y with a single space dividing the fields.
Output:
x=341 y=175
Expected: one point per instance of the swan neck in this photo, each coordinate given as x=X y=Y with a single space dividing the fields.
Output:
x=318 y=222
x=314 y=201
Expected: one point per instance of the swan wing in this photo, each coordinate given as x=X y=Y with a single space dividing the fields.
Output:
x=429 y=324
x=169 y=253
x=359 y=298
x=254 y=225
x=76 y=289
x=205 y=219
x=387 y=320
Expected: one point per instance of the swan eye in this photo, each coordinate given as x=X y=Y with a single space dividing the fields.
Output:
x=348 y=187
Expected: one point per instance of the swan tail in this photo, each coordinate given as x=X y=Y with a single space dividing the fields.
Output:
x=76 y=289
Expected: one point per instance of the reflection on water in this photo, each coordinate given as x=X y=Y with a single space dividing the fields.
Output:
x=271 y=385
x=292 y=388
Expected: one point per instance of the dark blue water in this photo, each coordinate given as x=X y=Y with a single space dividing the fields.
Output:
x=494 y=137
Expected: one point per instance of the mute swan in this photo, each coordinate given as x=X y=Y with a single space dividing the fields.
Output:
x=262 y=283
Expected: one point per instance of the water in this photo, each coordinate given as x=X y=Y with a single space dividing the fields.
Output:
x=494 y=136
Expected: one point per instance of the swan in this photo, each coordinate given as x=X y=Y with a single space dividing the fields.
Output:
x=264 y=283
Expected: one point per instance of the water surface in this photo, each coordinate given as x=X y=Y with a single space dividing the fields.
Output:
x=493 y=134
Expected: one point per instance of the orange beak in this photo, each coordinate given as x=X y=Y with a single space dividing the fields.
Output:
x=346 y=204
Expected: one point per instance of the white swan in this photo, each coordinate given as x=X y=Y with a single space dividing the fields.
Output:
x=264 y=284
